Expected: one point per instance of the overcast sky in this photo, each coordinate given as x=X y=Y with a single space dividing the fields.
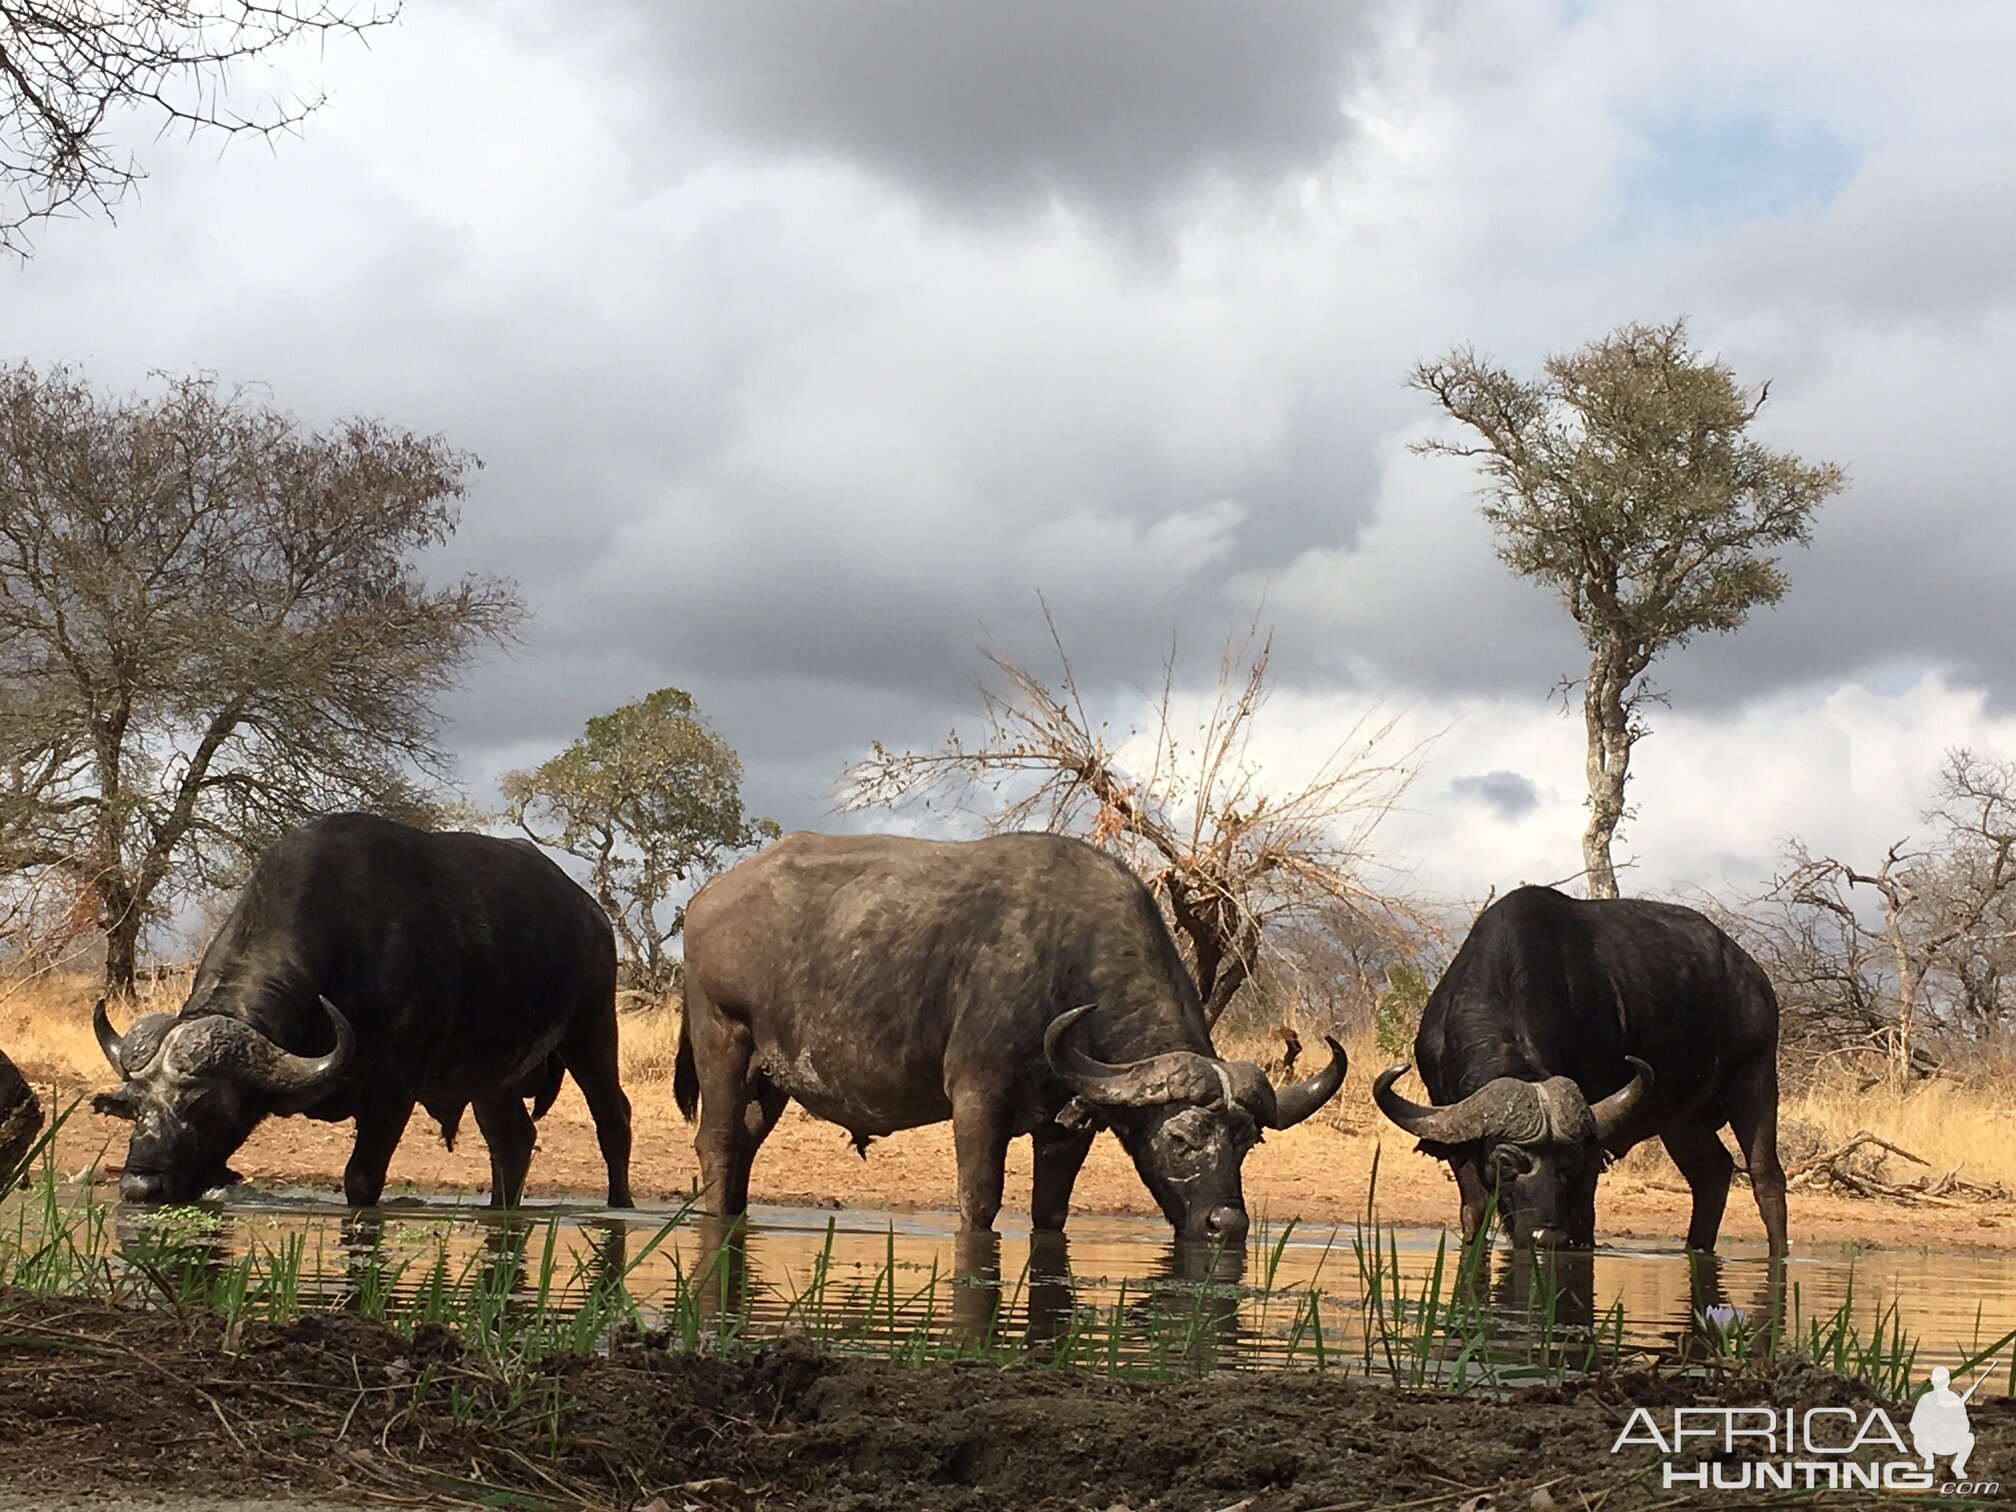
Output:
x=805 y=345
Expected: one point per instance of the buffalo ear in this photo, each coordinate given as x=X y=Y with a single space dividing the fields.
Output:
x=1077 y=1115
x=117 y=1104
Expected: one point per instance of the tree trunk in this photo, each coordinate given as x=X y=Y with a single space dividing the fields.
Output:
x=1908 y=977
x=1606 y=718
x=118 y=896
x=122 y=941
x=1222 y=945
x=1234 y=970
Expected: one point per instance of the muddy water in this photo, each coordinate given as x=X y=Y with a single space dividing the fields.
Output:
x=1114 y=1289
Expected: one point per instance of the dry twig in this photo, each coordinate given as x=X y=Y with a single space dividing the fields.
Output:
x=1183 y=806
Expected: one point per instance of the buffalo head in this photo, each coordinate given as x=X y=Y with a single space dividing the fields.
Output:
x=195 y=1087
x=1538 y=1144
x=1188 y=1120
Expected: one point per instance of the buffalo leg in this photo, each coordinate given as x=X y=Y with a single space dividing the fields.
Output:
x=721 y=1054
x=1473 y=1194
x=980 y=1137
x=1706 y=1164
x=1059 y=1154
x=381 y=1123
x=1753 y=1117
x=766 y=1105
x=590 y=1058
x=507 y=1130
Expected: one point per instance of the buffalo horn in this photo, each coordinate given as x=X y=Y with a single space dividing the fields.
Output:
x=108 y=1039
x=1298 y=1100
x=1504 y=1108
x=302 y=1077
x=134 y=1051
x=230 y=1047
x=1613 y=1111
x=1179 y=1076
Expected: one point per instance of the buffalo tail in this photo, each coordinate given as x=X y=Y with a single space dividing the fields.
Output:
x=685 y=1076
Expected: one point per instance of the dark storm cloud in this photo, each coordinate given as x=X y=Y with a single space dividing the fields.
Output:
x=989 y=106
x=1509 y=795
x=766 y=418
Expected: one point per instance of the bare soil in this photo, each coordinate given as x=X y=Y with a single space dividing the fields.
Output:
x=1316 y=1173
x=96 y=1402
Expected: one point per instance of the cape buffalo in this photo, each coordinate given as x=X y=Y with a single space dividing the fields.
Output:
x=1566 y=1031
x=368 y=966
x=1023 y=984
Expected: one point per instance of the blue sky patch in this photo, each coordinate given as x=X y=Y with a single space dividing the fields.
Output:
x=1733 y=168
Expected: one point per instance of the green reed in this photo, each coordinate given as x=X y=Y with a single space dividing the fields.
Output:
x=528 y=1295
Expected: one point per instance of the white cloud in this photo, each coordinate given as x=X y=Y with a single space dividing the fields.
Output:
x=796 y=427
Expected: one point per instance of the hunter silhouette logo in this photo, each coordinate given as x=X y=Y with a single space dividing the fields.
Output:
x=1939 y=1422
x=1830 y=1448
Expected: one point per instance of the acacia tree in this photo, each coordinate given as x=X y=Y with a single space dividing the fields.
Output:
x=1226 y=858
x=650 y=797
x=69 y=68
x=213 y=625
x=1624 y=479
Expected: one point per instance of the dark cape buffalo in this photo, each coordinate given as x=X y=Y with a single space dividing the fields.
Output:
x=1567 y=1030
x=368 y=967
x=1023 y=984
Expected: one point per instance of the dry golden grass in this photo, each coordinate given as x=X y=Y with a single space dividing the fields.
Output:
x=647 y=1044
x=45 y=1026
x=1945 y=1122
x=1949 y=1124
x=45 y=1022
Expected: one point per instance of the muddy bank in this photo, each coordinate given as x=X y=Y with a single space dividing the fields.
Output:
x=97 y=1401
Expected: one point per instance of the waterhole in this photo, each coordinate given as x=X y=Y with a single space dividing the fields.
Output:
x=1397 y=1304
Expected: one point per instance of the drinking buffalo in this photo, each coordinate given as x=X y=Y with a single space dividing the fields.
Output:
x=1566 y=1031
x=368 y=966
x=1022 y=984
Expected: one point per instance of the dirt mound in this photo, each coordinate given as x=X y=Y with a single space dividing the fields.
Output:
x=98 y=1400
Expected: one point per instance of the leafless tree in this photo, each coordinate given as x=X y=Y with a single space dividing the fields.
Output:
x=1227 y=859
x=1919 y=940
x=213 y=624
x=1828 y=972
x=70 y=68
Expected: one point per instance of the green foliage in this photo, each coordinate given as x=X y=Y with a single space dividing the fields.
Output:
x=214 y=624
x=650 y=797
x=1625 y=479
x=1397 y=1015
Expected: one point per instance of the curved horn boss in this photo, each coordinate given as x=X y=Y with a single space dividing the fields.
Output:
x=1175 y=1076
x=1503 y=1109
x=133 y=1052
x=1614 y=1111
x=232 y=1048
